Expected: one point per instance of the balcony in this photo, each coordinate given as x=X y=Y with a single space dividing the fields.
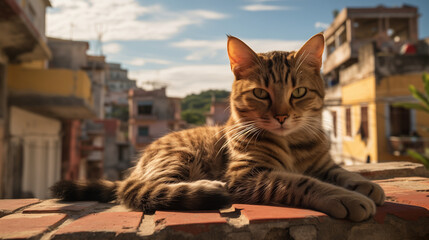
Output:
x=58 y=93
x=341 y=54
x=400 y=145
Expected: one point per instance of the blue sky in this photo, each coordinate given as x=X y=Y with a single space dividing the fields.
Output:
x=182 y=43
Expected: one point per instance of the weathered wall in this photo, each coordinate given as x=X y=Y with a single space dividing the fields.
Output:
x=355 y=95
x=39 y=139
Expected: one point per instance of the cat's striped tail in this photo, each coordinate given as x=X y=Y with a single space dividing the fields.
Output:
x=99 y=190
x=148 y=196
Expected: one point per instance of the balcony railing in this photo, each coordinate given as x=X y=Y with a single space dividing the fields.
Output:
x=400 y=145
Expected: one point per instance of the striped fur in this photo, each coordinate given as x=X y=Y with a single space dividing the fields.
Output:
x=271 y=151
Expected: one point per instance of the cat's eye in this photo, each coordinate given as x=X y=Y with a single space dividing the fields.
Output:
x=260 y=93
x=299 y=92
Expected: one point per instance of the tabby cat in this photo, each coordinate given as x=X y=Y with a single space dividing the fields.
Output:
x=272 y=150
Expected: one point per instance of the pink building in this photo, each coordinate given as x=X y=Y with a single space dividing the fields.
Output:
x=152 y=115
x=219 y=112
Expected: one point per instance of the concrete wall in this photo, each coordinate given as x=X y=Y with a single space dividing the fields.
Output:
x=40 y=140
x=35 y=10
x=336 y=141
x=68 y=54
x=354 y=96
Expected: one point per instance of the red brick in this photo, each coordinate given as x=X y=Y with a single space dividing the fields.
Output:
x=388 y=189
x=10 y=205
x=194 y=222
x=257 y=213
x=55 y=206
x=21 y=226
x=420 y=199
x=113 y=223
x=404 y=211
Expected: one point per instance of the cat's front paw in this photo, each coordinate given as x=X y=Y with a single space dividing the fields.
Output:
x=349 y=205
x=369 y=189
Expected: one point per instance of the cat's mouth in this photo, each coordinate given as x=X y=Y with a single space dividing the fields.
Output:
x=282 y=130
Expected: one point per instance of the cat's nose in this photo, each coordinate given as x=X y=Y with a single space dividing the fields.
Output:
x=281 y=118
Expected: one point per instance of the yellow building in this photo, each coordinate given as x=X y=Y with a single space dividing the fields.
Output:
x=23 y=42
x=35 y=103
x=373 y=55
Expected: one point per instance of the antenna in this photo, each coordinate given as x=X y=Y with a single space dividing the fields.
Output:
x=100 y=30
x=154 y=84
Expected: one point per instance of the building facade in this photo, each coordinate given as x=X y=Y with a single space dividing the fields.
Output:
x=367 y=70
x=25 y=21
x=116 y=106
x=152 y=115
x=38 y=104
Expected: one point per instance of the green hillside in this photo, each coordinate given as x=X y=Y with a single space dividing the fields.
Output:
x=194 y=106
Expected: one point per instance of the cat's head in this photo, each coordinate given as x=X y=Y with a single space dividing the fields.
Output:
x=278 y=91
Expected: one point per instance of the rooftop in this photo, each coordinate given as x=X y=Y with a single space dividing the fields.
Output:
x=405 y=215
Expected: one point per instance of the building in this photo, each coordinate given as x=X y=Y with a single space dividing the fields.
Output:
x=116 y=109
x=152 y=115
x=26 y=22
x=219 y=112
x=117 y=79
x=97 y=71
x=373 y=55
x=118 y=85
x=38 y=104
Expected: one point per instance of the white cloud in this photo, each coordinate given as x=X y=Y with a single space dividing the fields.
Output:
x=120 y=20
x=265 y=7
x=207 y=14
x=201 y=49
x=321 y=25
x=184 y=80
x=144 y=61
x=112 y=48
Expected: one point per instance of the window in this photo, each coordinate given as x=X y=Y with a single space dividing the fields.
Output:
x=364 y=132
x=400 y=121
x=334 y=123
x=348 y=122
x=143 y=131
x=144 y=108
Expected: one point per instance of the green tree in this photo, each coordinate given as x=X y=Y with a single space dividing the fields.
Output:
x=195 y=106
x=422 y=105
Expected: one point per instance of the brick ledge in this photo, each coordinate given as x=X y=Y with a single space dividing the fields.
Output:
x=404 y=216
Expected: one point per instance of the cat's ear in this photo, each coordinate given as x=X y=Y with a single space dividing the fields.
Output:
x=241 y=56
x=311 y=52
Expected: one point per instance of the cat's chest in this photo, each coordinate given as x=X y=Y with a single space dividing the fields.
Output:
x=292 y=157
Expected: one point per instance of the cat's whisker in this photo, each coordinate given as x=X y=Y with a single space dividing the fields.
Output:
x=232 y=128
x=255 y=134
x=240 y=129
